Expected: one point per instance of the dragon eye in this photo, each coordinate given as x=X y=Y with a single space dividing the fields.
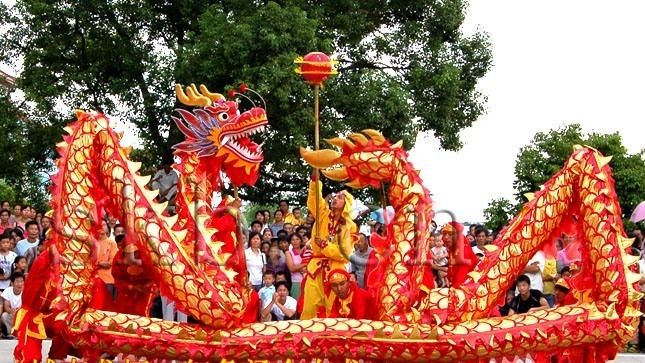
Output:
x=222 y=116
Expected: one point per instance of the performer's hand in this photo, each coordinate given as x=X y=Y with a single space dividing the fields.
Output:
x=320 y=242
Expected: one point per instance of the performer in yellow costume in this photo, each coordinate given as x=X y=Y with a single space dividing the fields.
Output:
x=331 y=248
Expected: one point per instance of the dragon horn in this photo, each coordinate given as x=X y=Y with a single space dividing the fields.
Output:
x=358 y=138
x=375 y=135
x=339 y=142
x=337 y=174
x=190 y=98
x=320 y=158
x=213 y=96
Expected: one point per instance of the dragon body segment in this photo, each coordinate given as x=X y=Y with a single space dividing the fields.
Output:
x=201 y=273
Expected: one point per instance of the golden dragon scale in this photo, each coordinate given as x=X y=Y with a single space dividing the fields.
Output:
x=444 y=325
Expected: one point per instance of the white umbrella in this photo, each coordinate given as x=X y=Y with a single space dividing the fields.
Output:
x=639 y=213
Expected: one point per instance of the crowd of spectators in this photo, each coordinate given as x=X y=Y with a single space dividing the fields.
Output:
x=22 y=231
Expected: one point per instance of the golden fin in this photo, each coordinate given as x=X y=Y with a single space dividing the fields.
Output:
x=375 y=135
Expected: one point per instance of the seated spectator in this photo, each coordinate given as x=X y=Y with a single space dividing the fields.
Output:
x=12 y=299
x=33 y=231
x=6 y=260
x=266 y=293
x=281 y=306
x=528 y=299
x=560 y=292
x=565 y=272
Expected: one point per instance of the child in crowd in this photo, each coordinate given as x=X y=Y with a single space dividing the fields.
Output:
x=440 y=257
x=6 y=261
x=266 y=293
x=12 y=301
x=19 y=265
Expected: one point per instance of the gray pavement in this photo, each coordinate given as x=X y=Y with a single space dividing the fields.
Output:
x=6 y=353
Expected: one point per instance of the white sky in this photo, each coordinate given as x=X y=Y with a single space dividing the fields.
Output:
x=555 y=63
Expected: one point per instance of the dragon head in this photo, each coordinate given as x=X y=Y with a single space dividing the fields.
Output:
x=218 y=133
x=364 y=159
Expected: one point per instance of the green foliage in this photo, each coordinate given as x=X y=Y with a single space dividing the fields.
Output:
x=250 y=209
x=7 y=192
x=498 y=213
x=547 y=153
x=27 y=146
x=405 y=67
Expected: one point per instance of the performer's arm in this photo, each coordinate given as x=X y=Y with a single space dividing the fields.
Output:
x=312 y=196
x=267 y=309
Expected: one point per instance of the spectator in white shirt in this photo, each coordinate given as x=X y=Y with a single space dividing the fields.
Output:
x=33 y=232
x=6 y=260
x=12 y=299
x=255 y=260
x=165 y=180
x=534 y=271
x=282 y=306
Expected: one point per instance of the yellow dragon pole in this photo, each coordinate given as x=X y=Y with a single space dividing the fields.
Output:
x=315 y=68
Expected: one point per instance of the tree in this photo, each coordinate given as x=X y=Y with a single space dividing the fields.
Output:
x=547 y=153
x=27 y=146
x=404 y=67
x=498 y=213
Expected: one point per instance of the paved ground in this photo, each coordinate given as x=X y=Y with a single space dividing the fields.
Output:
x=6 y=353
